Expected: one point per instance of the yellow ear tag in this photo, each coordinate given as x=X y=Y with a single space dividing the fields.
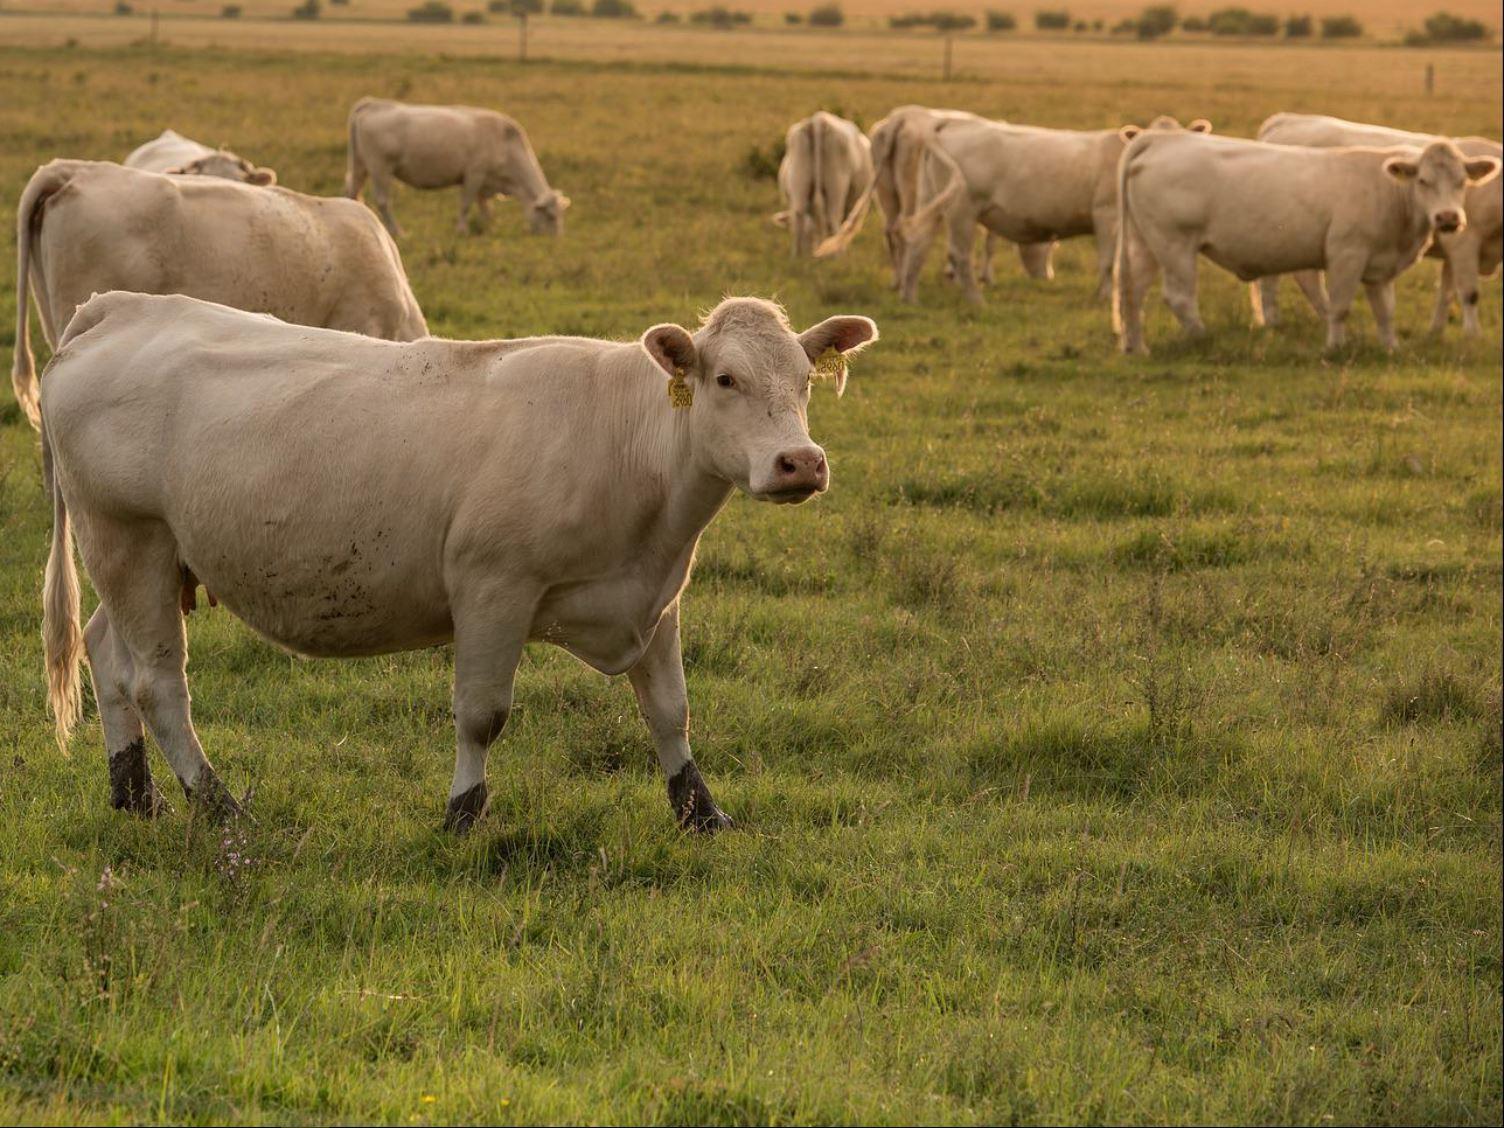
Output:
x=680 y=394
x=830 y=364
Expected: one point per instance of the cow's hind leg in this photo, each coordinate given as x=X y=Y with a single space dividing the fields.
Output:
x=138 y=574
x=113 y=674
x=1179 y=268
x=487 y=648
x=658 y=681
x=1311 y=286
x=381 y=192
x=1263 y=296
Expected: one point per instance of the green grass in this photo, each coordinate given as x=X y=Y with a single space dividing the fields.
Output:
x=1117 y=741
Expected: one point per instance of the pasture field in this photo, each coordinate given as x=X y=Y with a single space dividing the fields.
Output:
x=1117 y=741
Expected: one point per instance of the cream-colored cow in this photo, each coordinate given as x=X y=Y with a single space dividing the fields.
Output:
x=84 y=227
x=483 y=152
x=488 y=493
x=1256 y=209
x=172 y=152
x=826 y=169
x=1026 y=184
x=1466 y=255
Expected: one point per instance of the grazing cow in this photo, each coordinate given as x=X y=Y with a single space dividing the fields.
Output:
x=84 y=227
x=1466 y=255
x=550 y=490
x=826 y=168
x=1255 y=209
x=1023 y=183
x=174 y=153
x=485 y=153
x=897 y=150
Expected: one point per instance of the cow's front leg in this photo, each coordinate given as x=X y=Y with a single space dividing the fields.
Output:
x=1343 y=277
x=658 y=681
x=1381 y=301
x=487 y=648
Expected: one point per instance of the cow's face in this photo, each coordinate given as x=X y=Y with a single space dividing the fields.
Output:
x=228 y=166
x=1439 y=177
x=749 y=375
x=546 y=216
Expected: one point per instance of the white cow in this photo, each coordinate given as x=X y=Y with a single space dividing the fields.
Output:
x=172 y=152
x=84 y=227
x=549 y=490
x=898 y=146
x=1024 y=183
x=1255 y=209
x=1466 y=255
x=826 y=169
x=483 y=152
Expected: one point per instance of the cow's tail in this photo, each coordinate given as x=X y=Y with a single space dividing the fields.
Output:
x=1122 y=259
x=355 y=171
x=62 y=640
x=817 y=131
x=45 y=182
x=882 y=156
x=915 y=225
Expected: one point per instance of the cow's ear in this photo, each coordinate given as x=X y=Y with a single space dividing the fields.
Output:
x=1482 y=169
x=1129 y=132
x=829 y=343
x=671 y=347
x=263 y=176
x=1401 y=168
x=1200 y=125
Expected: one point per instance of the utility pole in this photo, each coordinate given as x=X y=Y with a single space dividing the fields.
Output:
x=152 y=37
x=521 y=34
x=947 y=58
x=1430 y=78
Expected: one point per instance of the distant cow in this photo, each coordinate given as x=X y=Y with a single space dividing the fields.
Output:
x=1024 y=183
x=826 y=169
x=84 y=227
x=898 y=145
x=174 y=153
x=483 y=152
x=488 y=493
x=1466 y=255
x=1255 y=209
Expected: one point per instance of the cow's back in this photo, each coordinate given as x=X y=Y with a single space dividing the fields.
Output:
x=305 y=259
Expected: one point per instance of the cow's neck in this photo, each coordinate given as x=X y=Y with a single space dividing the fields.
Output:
x=528 y=181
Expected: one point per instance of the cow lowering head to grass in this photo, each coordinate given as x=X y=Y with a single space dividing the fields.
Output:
x=551 y=489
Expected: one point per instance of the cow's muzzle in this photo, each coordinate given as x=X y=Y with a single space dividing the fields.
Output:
x=1449 y=222
x=798 y=475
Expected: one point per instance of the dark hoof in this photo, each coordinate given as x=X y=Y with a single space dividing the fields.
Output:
x=212 y=797
x=131 y=786
x=693 y=804
x=466 y=808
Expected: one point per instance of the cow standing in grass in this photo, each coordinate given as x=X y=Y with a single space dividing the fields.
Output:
x=1466 y=255
x=84 y=227
x=826 y=169
x=1026 y=184
x=488 y=493
x=173 y=153
x=1255 y=209
x=482 y=152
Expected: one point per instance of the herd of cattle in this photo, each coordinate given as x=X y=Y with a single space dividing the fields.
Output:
x=1311 y=194
x=555 y=488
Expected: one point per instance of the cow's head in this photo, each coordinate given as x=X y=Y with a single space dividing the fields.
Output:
x=749 y=375
x=227 y=166
x=1166 y=122
x=1439 y=175
x=545 y=215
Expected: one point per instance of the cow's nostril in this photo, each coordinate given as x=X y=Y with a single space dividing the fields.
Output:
x=786 y=465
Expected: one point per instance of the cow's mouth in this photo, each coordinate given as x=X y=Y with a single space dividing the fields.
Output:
x=794 y=496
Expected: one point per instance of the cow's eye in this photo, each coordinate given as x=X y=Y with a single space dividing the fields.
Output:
x=725 y=380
